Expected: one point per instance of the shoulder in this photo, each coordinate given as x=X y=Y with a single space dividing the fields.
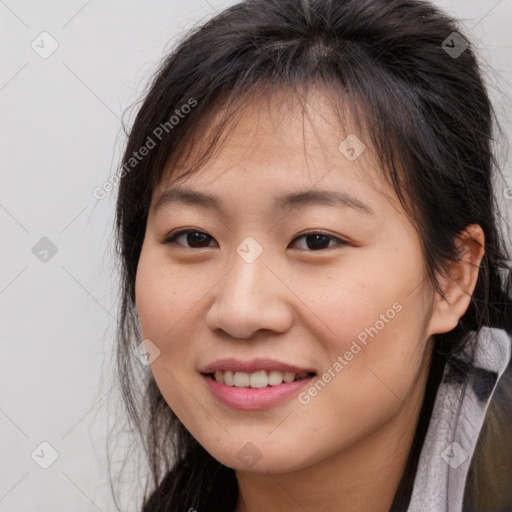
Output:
x=489 y=482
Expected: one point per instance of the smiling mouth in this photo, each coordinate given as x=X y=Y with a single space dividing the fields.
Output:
x=257 y=380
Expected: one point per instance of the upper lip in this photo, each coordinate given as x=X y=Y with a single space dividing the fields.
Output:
x=255 y=365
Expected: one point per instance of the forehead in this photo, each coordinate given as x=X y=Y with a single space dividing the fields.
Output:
x=283 y=143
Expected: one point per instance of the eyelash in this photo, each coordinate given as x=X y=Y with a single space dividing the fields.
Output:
x=170 y=239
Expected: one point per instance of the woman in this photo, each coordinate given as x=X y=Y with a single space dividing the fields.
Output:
x=314 y=274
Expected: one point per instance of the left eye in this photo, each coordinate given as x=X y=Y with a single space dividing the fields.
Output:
x=317 y=240
x=197 y=239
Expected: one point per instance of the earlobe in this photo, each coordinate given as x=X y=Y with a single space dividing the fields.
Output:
x=460 y=281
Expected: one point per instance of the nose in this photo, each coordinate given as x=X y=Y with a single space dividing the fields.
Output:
x=249 y=298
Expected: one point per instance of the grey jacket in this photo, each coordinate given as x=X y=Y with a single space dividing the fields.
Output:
x=455 y=426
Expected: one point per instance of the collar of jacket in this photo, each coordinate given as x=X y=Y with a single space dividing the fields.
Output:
x=457 y=418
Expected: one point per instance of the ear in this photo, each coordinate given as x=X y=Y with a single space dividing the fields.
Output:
x=460 y=281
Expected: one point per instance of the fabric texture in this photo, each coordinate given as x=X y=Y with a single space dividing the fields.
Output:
x=455 y=424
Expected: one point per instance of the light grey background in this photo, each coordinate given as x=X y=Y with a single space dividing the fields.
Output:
x=60 y=138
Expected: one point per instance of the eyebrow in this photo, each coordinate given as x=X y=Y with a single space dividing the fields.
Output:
x=185 y=195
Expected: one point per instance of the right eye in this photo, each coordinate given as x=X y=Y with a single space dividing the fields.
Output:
x=195 y=238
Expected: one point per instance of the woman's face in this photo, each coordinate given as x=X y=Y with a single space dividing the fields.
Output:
x=351 y=304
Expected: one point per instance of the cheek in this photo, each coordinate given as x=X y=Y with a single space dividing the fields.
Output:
x=364 y=298
x=165 y=298
x=370 y=372
x=372 y=318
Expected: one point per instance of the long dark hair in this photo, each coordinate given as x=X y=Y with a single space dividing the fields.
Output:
x=417 y=96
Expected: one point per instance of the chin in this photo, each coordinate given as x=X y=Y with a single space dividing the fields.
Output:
x=256 y=458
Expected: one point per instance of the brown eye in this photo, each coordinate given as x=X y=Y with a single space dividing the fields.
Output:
x=316 y=241
x=195 y=239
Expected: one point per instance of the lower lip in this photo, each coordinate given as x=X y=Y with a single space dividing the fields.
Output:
x=249 y=399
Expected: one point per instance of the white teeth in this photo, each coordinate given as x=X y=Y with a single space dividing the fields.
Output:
x=241 y=379
x=228 y=378
x=260 y=379
x=275 y=378
x=289 y=377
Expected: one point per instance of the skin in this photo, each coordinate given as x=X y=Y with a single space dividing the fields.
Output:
x=346 y=449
